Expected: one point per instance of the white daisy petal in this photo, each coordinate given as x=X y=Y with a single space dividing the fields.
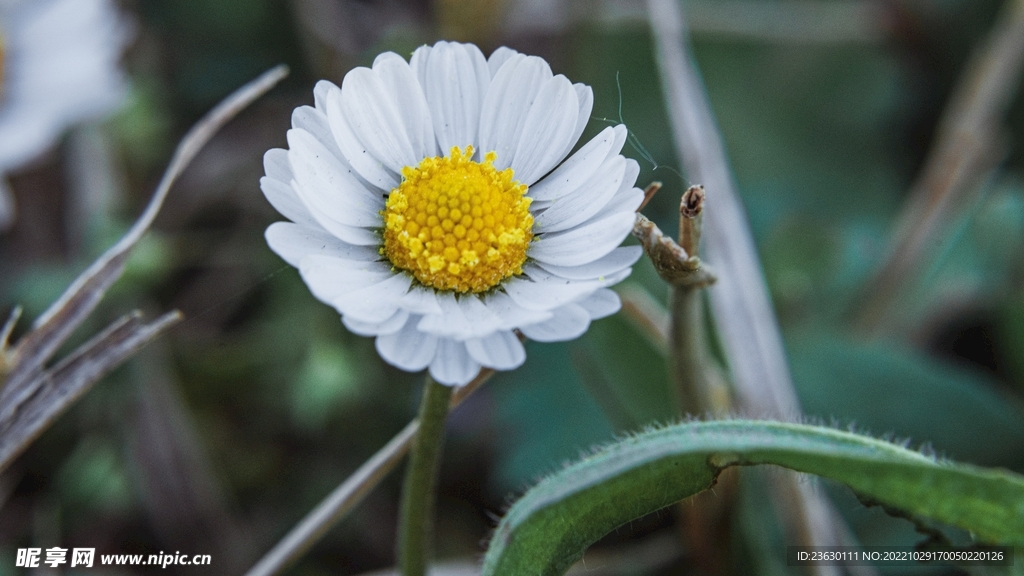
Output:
x=568 y=322
x=320 y=92
x=498 y=59
x=452 y=364
x=276 y=166
x=483 y=79
x=535 y=273
x=585 y=96
x=508 y=101
x=418 y=63
x=329 y=277
x=421 y=300
x=629 y=178
x=601 y=304
x=327 y=187
x=615 y=261
x=584 y=243
x=389 y=326
x=581 y=204
x=621 y=135
x=480 y=318
x=375 y=120
x=547 y=131
x=292 y=242
x=449 y=322
x=464 y=318
x=374 y=303
x=284 y=199
x=350 y=234
x=579 y=167
x=625 y=201
x=542 y=290
x=400 y=80
x=355 y=179
x=315 y=122
x=512 y=315
x=358 y=156
x=408 y=349
x=501 y=350
x=456 y=79
x=545 y=295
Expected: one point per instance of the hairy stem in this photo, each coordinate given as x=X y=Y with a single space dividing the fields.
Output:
x=693 y=370
x=740 y=302
x=419 y=492
x=349 y=493
x=689 y=359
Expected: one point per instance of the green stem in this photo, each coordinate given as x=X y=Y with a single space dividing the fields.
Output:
x=700 y=386
x=419 y=492
x=688 y=359
x=700 y=389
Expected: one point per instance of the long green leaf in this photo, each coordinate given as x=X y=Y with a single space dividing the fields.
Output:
x=551 y=526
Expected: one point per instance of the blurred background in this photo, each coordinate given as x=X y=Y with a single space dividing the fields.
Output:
x=223 y=433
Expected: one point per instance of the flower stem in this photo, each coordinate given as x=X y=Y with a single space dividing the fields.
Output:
x=700 y=387
x=419 y=492
x=349 y=493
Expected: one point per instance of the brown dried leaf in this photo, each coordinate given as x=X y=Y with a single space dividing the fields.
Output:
x=54 y=390
x=31 y=396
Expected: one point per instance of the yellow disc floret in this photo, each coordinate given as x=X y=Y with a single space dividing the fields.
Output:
x=457 y=224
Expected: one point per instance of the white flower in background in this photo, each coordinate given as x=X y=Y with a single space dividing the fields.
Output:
x=58 y=67
x=431 y=206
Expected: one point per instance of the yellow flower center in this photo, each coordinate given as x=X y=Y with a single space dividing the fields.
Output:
x=457 y=224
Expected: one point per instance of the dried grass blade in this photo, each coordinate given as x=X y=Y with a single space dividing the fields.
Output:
x=54 y=326
x=742 y=308
x=56 y=389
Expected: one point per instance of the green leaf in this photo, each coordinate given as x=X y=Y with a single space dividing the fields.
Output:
x=552 y=525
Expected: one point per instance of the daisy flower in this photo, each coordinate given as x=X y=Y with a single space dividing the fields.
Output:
x=433 y=205
x=58 y=67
